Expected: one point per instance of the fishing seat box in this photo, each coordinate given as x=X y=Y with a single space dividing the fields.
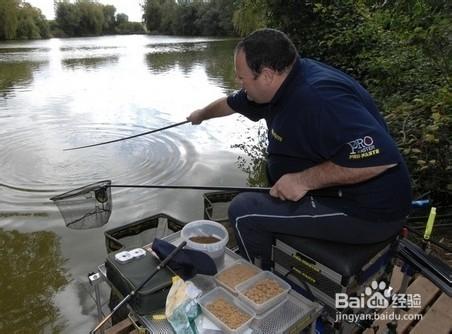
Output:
x=324 y=268
x=126 y=277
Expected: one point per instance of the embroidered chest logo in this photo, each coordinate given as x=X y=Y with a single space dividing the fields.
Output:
x=276 y=136
x=362 y=148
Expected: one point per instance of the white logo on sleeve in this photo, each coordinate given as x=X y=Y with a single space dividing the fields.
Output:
x=362 y=148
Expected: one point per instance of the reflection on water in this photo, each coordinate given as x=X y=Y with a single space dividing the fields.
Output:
x=89 y=63
x=61 y=93
x=16 y=74
x=30 y=277
x=214 y=57
x=22 y=50
x=86 y=48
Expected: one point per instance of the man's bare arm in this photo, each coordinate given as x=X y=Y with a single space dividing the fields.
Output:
x=294 y=186
x=217 y=108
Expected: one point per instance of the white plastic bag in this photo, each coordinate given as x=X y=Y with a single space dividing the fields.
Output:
x=181 y=308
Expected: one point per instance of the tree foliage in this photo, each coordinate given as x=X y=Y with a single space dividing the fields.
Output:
x=20 y=20
x=109 y=19
x=67 y=17
x=400 y=50
x=205 y=18
x=250 y=15
x=90 y=18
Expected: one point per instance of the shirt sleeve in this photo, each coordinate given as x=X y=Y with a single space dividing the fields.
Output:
x=351 y=135
x=240 y=103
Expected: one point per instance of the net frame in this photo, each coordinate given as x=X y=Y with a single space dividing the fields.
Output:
x=86 y=207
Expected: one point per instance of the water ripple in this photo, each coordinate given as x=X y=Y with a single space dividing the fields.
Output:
x=34 y=160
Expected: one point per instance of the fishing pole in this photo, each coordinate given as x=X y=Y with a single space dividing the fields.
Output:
x=125 y=138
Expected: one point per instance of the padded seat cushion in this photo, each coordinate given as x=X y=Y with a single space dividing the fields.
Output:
x=345 y=259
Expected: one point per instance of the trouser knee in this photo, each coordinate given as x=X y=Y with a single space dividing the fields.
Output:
x=239 y=207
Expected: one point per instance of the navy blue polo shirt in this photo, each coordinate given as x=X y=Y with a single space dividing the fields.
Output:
x=321 y=114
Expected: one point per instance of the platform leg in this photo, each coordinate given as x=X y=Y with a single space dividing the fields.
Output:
x=94 y=280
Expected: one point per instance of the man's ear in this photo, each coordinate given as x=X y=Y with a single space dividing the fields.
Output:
x=268 y=75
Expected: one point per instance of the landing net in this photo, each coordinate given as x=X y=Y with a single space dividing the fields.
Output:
x=86 y=207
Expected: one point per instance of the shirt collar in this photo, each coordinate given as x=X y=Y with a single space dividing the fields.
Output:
x=295 y=70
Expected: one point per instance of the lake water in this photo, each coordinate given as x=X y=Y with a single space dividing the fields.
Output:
x=61 y=93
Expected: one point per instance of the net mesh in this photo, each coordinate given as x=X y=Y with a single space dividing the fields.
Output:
x=86 y=207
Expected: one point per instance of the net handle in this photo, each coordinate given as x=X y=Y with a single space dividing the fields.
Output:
x=334 y=193
x=223 y=188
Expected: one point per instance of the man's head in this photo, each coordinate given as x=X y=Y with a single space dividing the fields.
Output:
x=262 y=62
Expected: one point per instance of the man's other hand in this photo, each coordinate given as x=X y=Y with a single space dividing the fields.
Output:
x=289 y=187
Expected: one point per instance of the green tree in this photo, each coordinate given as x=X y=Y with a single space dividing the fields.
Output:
x=249 y=16
x=211 y=20
x=152 y=14
x=168 y=16
x=226 y=10
x=409 y=74
x=26 y=26
x=84 y=18
x=91 y=18
x=130 y=28
x=31 y=24
x=8 y=18
x=121 y=19
x=42 y=23
x=123 y=26
x=109 y=19
x=184 y=17
x=67 y=17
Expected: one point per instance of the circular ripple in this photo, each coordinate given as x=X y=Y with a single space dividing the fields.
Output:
x=35 y=167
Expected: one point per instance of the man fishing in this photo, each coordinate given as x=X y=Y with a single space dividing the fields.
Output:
x=336 y=173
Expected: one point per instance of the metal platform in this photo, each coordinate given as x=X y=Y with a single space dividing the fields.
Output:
x=293 y=315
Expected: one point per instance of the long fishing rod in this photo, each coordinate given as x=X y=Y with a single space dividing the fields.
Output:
x=125 y=138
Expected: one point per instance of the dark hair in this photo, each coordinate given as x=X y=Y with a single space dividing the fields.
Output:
x=268 y=48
